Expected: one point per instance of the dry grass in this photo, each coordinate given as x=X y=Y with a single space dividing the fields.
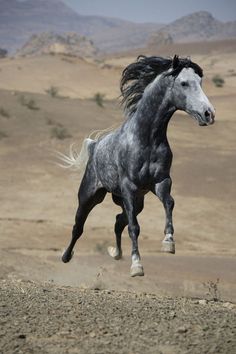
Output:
x=53 y=91
x=4 y=113
x=30 y=103
x=60 y=132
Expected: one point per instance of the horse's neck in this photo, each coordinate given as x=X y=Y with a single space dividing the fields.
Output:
x=149 y=123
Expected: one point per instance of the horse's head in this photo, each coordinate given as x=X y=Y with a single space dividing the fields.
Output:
x=187 y=93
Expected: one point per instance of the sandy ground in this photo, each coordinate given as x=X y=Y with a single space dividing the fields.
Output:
x=73 y=77
x=38 y=202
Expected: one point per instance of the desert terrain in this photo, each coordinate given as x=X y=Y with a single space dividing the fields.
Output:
x=185 y=302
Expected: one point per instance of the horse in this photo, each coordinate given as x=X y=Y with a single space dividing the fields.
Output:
x=136 y=158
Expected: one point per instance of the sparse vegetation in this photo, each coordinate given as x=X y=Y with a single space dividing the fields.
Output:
x=4 y=113
x=3 y=135
x=212 y=288
x=232 y=72
x=52 y=91
x=30 y=103
x=50 y=121
x=60 y=132
x=99 y=99
x=218 y=81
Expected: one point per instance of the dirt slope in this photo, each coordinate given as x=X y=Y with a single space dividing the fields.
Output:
x=48 y=319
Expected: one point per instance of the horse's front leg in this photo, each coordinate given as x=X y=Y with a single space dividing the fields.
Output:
x=162 y=190
x=130 y=205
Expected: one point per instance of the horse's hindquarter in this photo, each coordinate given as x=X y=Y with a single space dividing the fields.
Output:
x=105 y=160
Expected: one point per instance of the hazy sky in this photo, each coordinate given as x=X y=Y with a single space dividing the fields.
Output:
x=162 y=11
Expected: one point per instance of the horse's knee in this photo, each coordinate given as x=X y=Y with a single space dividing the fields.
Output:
x=162 y=189
x=169 y=202
x=134 y=230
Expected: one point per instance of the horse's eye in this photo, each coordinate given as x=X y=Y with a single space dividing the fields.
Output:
x=184 y=83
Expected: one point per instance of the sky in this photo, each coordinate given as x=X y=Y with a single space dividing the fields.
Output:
x=159 y=11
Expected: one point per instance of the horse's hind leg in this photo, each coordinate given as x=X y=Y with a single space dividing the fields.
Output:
x=162 y=190
x=90 y=194
x=121 y=222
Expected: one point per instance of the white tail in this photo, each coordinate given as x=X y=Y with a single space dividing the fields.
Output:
x=78 y=161
x=75 y=160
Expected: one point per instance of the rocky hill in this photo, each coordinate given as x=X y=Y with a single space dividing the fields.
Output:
x=51 y=43
x=20 y=20
x=200 y=26
x=3 y=53
x=160 y=38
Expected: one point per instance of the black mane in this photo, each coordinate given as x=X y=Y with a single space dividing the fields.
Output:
x=138 y=75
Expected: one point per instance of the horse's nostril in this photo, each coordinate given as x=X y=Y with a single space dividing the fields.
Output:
x=207 y=114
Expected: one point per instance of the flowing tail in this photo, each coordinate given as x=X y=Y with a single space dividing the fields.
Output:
x=77 y=161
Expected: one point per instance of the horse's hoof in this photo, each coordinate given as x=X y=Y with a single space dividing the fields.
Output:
x=67 y=257
x=136 y=270
x=114 y=252
x=168 y=247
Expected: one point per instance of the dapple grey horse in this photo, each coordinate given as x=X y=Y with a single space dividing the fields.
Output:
x=136 y=158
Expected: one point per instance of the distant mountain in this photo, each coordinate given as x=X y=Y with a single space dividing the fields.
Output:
x=160 y=38
x=3 y=53
x=20 y=20
x=125 y=36
x=52 y=43
x=200 y=26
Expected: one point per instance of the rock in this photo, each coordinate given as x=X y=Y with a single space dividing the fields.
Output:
x=172 y=314
x=202 y=302
x=70 y=44
x=182 y=329
x=92 y=334
x=22 y=336
x=229 y=305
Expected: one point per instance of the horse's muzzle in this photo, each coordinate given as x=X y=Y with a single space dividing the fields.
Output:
x=209 y=116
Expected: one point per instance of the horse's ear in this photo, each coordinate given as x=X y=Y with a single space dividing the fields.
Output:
x=175 y=62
